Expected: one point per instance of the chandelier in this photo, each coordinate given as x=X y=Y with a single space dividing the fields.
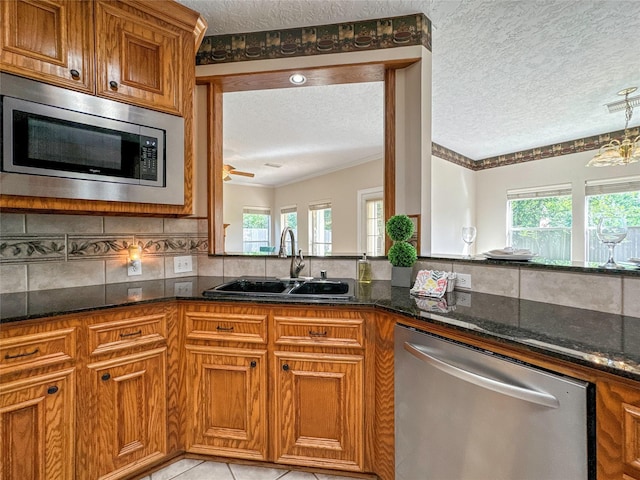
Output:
x=615 y=152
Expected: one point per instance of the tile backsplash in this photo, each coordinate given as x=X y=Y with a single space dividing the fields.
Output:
x=41 y=252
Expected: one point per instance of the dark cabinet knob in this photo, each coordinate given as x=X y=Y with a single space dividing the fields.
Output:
x=52 y=390
x=75 y=74
x=105 y=377
x=113 y=84
x=285 y=367
x=253 y=364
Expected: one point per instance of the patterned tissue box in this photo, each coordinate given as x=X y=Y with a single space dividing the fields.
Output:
x=433 y=283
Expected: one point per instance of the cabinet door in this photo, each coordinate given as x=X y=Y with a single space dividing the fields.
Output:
x=618 y=431
x=49 y=40
x=37 y=428
x=227 y=402
x=138 y=61
x=318 y=410
x=129 y=411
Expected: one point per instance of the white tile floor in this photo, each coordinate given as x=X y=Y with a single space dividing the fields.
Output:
x=199 y=470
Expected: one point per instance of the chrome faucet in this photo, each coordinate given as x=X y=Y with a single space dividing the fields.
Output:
x=297 y=264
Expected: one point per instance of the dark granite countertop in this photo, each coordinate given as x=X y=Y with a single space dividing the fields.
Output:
x=599 y=340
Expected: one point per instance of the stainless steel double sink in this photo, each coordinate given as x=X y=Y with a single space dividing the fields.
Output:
x=291 y=288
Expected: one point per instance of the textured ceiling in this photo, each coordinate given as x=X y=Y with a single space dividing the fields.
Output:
x=507 y=75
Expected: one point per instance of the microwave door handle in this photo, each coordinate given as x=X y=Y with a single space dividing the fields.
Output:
x=526 y=394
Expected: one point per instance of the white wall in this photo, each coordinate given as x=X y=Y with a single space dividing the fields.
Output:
x=492 y=185
x=453 y=197
x=340 y=188
x=236 y=197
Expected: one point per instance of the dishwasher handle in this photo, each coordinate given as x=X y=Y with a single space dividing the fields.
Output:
x=533 y=396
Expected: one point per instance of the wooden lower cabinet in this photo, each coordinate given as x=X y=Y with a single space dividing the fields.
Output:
x=618 y=431
x=37 y=427
x=279 y=384
x=318 y=403
x=227 y=398
x=128 y=414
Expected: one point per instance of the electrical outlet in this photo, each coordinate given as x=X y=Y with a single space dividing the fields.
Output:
x=463 y=299
x=182 y=289
x=463 y=280
x=134 y=267
x=134 y=294
x=182 y=264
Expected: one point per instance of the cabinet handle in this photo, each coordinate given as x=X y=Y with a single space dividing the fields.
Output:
x=317 y=334
x=18 y=355
x=132 y=334
x=285 y=367
x=52 y=390
x=253 y=364
x=75 y=74
x=224 y=329
x=105 y=377
x=113 y=84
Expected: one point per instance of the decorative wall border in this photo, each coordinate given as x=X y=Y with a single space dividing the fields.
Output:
x=548 y=151
x=317 y=40
x=451 y=156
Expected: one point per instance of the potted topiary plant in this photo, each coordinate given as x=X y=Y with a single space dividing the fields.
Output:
x=402 y=255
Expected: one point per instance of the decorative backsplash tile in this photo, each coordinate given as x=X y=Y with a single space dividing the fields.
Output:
x=81 y=247
x=52 y=243
x=21 y=248
x=317 y=40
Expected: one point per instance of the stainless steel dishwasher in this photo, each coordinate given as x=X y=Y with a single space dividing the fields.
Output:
x=467 y=414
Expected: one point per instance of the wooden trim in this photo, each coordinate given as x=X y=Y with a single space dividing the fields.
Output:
x=389 y=149
x=316 y=76
x=217 y=85
x=214 y=168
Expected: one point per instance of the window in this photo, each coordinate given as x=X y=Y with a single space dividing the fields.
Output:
x=540 y=220
x=371 y=221
x=320 y=229
x=289 y=218
x=256 y=229
x=619 y=197
x=375 y=227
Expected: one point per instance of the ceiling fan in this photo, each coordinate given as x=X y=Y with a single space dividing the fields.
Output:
x=228 y=170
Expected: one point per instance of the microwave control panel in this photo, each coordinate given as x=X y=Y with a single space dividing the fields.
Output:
x=148 y=158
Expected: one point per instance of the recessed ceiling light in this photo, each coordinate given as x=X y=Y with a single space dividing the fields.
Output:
x=297 y=79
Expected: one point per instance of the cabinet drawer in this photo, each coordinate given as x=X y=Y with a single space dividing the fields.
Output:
x=116 y=335
x=37 y=350
x=242 y=327
x=325 y=332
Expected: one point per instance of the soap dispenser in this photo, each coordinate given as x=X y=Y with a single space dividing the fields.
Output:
x=364 y=270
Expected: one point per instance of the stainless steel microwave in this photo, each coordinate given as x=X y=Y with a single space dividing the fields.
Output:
x=65 y=144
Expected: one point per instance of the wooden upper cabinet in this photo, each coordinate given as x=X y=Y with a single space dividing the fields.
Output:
x=139 y=58
x=132 y=51
x=49 y=40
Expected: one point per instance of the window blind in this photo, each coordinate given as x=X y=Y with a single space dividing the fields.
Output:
x=320 y=206
x=618 y=185
x=540 y=192
x=256 y=211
